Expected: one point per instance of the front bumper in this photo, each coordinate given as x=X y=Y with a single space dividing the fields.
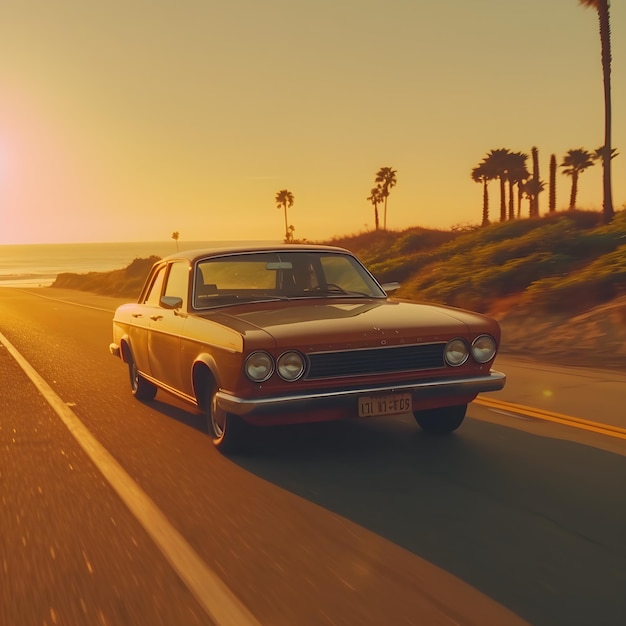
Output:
x=463 y=388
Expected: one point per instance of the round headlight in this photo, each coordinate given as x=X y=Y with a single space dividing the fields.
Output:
x=484 y=348
x=456 y=352
x=259 y=366
x=290 y=365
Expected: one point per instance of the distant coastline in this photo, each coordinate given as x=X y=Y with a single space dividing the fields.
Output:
x=38 y=265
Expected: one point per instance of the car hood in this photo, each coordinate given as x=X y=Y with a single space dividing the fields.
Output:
x=354 y=324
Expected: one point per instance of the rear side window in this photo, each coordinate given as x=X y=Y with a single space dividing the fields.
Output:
x=154 y=294
x=178 y=281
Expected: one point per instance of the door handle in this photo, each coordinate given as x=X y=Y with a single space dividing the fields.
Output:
x=156 y=318
x=137 y=314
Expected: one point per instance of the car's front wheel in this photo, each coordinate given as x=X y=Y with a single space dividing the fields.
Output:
x=141 y=388
x=441 y=421
x=228 y=431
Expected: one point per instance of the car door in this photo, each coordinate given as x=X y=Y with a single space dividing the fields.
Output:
x=166 y=327
x=141 y=319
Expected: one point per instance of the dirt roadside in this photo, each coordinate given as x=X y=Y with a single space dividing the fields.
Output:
x=596 y=338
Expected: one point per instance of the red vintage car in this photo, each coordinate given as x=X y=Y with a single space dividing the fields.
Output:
x=261 y=336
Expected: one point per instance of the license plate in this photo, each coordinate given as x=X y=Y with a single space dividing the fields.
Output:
x=391 y=404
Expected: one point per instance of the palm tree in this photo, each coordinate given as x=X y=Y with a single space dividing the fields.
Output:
x=576 y=161
x=531 y=189
x=516 y=174
x=534 y=199
x=175 y=236
x=602 y=7
x=284 y=200
x=386 y=179
x=480 y=174
x=376 y=197
x=495 y=164
x=552 y=199
x=598 y=153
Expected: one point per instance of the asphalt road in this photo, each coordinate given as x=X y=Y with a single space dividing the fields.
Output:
x=511 y=519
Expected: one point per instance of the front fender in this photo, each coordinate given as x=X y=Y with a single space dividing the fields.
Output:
x=204 y=371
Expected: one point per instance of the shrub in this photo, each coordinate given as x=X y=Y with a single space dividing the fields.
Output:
x=123 y=283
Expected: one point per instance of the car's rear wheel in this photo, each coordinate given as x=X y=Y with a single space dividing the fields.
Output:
x=228 y=432
x=139 y=386
x=441 y=421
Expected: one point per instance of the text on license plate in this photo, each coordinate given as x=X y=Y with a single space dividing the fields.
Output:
x=391 y=404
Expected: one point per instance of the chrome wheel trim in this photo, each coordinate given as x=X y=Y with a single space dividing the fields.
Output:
x=134 y=376
x=218 y=418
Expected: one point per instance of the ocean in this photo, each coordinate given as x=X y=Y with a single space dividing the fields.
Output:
x=37 y=265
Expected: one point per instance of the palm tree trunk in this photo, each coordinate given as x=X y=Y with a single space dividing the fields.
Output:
x=385 y=216
x=605 y=40
x=552 y=201
x=286 y=222
x=572 y=198
x=534 y=203
x=485 y=203
x=502 y=200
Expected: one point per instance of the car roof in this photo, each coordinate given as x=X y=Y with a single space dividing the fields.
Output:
x=194 y=255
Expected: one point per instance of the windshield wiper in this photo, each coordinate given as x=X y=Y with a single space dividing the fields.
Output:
x=334 y=292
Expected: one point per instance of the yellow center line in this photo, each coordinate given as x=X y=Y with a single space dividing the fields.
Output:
x=557 y=418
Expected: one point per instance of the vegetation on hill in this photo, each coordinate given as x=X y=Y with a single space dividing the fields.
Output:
x=557 y=284
x=125 y=283
x=564 y=261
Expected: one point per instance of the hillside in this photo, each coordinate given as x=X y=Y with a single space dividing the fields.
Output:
x=124 y=283
x=557 y=283
x=566 y=261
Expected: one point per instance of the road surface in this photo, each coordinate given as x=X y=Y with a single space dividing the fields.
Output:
x=117 y=512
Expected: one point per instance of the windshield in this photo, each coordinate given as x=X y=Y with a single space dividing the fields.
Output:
x=281 y=275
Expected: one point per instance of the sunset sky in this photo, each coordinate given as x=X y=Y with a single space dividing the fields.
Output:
x=126 y=120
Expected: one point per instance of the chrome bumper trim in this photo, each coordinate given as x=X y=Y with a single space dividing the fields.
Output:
x=461 y=387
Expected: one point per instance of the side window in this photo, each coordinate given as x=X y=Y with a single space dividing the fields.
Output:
x=154 y=295
x=178 y=281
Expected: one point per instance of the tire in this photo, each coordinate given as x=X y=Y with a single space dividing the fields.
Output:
x=441 y=421
x=228 y=432
x=139 y=386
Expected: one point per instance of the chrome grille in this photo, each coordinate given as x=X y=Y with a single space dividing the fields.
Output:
x=376 y=361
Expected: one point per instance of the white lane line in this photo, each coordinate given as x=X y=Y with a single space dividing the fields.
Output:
x=215 y=597
x=84 y=306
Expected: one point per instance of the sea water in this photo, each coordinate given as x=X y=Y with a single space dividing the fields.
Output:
x=38 y=265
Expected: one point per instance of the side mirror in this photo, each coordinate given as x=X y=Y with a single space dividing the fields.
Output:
x=390 y=287
x=171 y=302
